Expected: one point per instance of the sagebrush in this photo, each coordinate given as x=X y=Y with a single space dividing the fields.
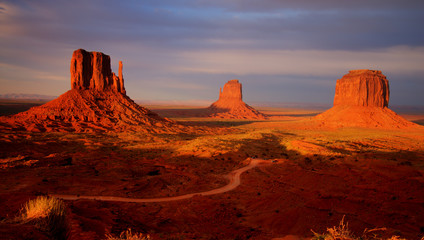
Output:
x=342 y=232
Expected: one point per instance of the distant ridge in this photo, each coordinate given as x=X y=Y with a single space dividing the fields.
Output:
x=26 y=96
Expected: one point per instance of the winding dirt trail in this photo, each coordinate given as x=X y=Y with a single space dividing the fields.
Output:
x=234 y=177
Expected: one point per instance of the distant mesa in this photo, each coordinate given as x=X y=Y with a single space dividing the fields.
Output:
x=24 y=96
x=362 y=100
x=230 y=104
x=97 y=102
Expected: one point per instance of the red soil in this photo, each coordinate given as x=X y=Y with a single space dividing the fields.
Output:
x=370 y=193
x=374 y=182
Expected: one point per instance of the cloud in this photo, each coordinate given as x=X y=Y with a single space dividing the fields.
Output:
x=219 y=24
x=175 y=84
x=181 y=49
x=21 y=79
x=402 y=60
x=275 y=5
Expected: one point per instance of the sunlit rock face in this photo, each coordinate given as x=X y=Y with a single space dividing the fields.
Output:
x=361 y=100
x=231 y=92
x=91 y=70
x=368 y=88
x=230 y=104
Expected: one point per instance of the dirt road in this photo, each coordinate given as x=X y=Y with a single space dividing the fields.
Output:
x=234 y=177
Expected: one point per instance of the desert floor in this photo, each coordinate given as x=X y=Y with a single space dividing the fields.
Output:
x=315 y=176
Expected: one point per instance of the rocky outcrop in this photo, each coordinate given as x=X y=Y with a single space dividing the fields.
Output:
x=96 y=103
x=91 y=70
x=368 y=88
x=230 y=104
x=361 y=100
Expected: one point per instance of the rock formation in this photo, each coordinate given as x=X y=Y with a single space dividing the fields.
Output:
x=230 y=104
x=91 y=70
x=232 y=92
x=368 y=88
x=361 y=100
x=96 y=102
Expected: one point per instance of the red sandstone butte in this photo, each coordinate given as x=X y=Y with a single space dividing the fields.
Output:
x=361 y=100
x=97 y=102
x=368 y=88
x=91 y=70
x=230 y=104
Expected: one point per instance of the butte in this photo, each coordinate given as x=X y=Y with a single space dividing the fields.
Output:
x=362 y=100
x=230 y=104
x=97 y=102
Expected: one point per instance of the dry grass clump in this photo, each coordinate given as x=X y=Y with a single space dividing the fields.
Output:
x=128 y=235
x=342 y=232
x=48 y=214
x=43 y=206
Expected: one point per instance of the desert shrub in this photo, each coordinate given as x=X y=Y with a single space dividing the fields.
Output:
x=48 y=214
x=128 y=235
x=342 y=232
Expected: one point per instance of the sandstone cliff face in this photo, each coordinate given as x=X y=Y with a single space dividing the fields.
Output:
x=368 y=88
x=91 y=70
x=232 y=91
x=361 y=100
x=230 y=104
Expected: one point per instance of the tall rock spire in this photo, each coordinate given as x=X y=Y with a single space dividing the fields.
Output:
x=121 y=79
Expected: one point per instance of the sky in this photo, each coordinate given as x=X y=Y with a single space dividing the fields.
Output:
x=185 y=50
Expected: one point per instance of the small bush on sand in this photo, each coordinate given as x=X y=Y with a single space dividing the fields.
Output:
x=48 y=214
x=128 y=235
x=342 y=232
